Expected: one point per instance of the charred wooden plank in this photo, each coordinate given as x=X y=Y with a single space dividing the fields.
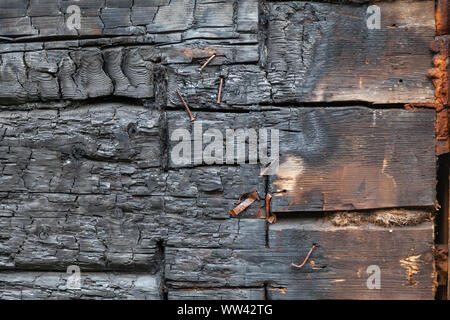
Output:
x=325 y=52
x=332 y=158
x=336 y=269
x=217 y=294
x=354 y=158
x=76 y=75
x=94 y=149
x=126 y=18
x=53 y=286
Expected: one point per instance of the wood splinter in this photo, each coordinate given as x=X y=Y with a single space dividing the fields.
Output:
x=207 y=62
x=252 y=197
x=299 y=266
x=220 y=91
x=186 y=106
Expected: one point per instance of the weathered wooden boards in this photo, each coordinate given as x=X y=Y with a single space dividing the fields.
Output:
x=88 y=177
x=326 y=52
x=76 y=75
x=53 y=286
x=337 y=269
x=312 y=52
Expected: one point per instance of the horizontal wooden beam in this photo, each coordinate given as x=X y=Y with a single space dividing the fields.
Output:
x=326 y=52
x=54 y=286
x=336 y=269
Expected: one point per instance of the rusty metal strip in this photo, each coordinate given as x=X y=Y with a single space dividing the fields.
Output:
x=241 y=206
x=440 y=77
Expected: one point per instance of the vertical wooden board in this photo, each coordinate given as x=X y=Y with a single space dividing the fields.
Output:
x=339 y=267
x=353 y=158
x=325 y=52
x=442 y=17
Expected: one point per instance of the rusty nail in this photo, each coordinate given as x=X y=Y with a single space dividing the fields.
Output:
x=186 y=105
x=299 y=266
x=241 y=206
x=207 y=62
x=220 y=91
x=271 y=218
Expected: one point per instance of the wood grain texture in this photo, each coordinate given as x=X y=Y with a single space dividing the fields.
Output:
x=76 y=75
x=325 y=52
x=354 y=158
x=84 y=150
x=337 y=269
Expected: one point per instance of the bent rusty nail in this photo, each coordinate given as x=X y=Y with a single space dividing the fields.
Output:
x=207 y=62
x=186 y=105
x=263 y=173
x=299 y=266
x=271 y=218
x=241 y=206
x=220 y=91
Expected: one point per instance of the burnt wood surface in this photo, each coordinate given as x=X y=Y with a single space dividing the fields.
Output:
x=336 y=269
x=88 y=178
